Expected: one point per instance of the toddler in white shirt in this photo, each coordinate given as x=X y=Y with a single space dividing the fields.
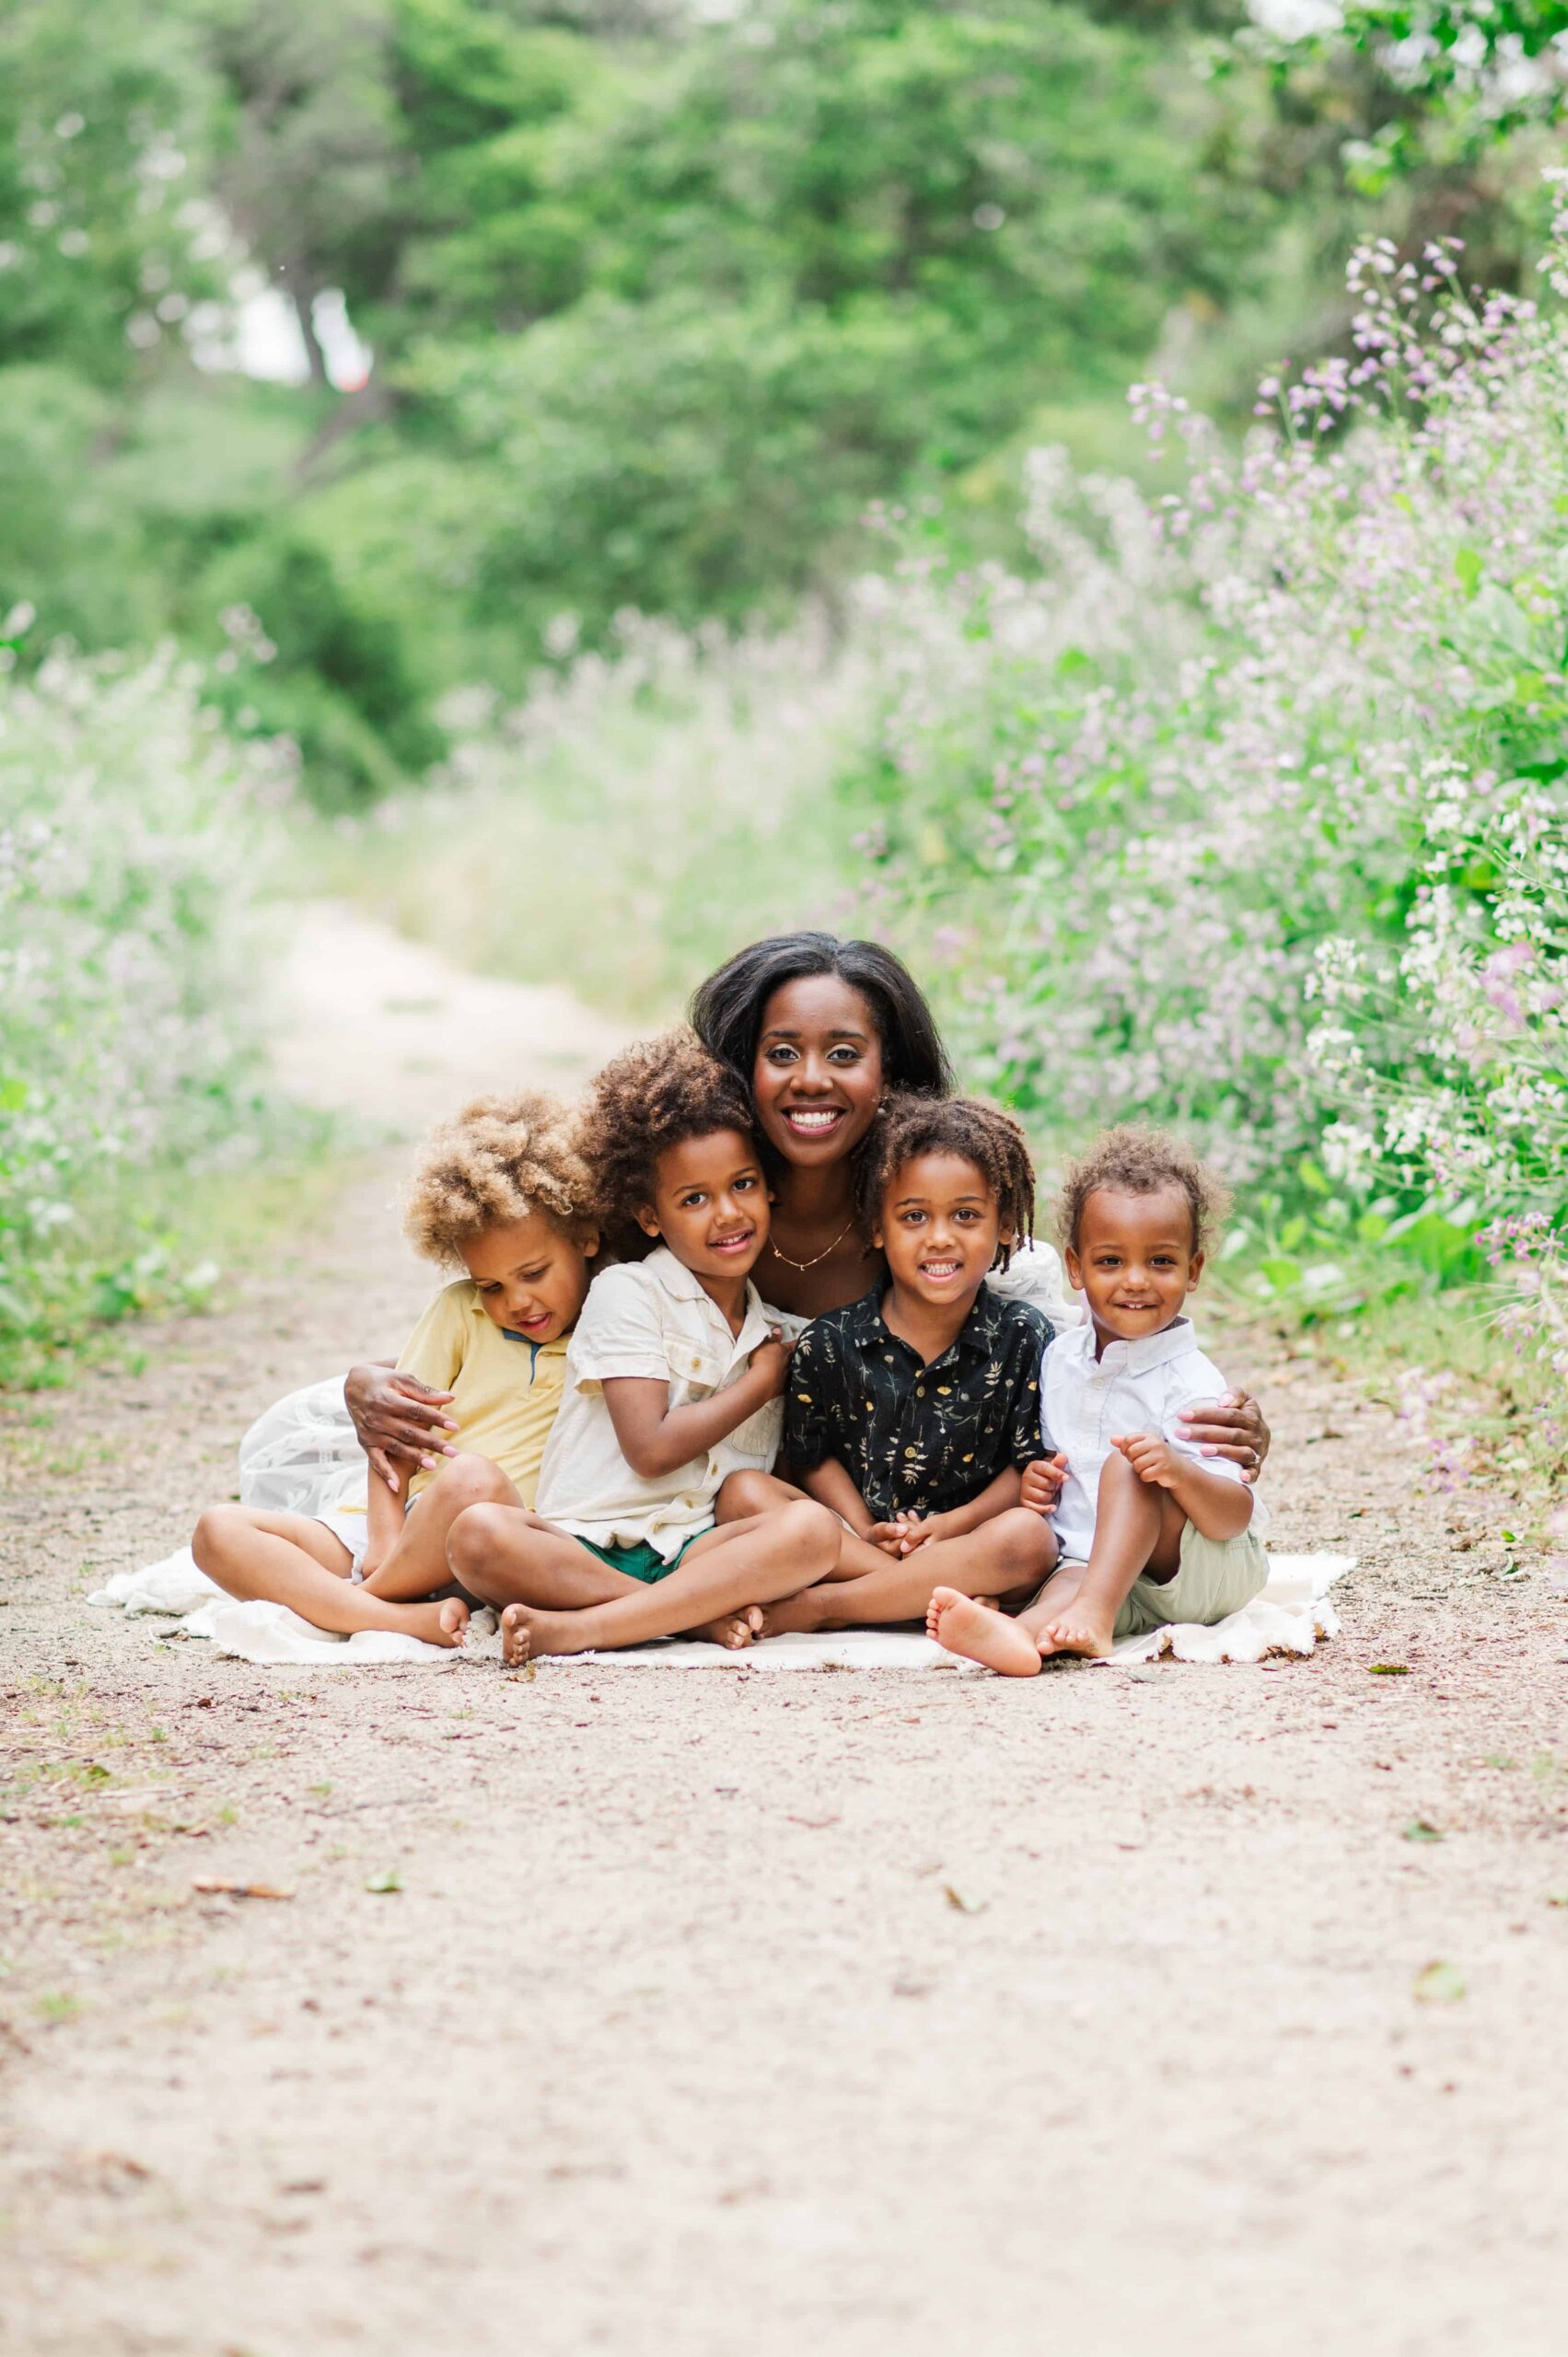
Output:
x=1150 y=1529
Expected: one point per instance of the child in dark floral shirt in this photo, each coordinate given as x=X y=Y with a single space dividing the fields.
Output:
x=914 y=1411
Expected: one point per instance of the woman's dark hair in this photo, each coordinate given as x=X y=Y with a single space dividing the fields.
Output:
x=980 y=1134
x=726 y=1010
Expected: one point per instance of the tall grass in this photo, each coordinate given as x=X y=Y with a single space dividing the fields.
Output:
x=638 y=817
x=136 y=841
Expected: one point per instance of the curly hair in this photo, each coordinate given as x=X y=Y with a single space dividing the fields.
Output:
x=980 y=1134
x=1142 y=1162
x=654 y=1095
x=503 y=1159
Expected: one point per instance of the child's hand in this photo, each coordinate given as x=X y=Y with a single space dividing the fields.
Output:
x=1042 y=1485
x=769 y=1363
x=893 y=1536
x=1152 y=1460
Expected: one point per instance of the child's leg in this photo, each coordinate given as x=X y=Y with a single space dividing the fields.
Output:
x=1011 y=1551
x=1137 y=1528
x=740 y=1564
x=753 y=1493
x=416 y=1564
x=288 y=1559
x=509 y=1555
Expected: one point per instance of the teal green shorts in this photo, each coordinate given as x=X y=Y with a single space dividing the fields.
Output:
x=642 y=1561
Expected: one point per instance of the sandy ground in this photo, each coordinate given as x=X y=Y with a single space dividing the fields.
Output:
x=878 y=2013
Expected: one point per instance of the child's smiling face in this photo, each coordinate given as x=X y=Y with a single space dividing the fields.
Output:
x=939 y=1228
x=1133 y=1259
x=532 y=1276
x=709 y=1203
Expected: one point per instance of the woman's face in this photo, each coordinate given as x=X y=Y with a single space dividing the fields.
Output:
x=817 y=1074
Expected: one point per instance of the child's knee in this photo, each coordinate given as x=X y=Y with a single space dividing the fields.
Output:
x=467 y=1480
x=1117 y=1478
x=216 y=1533
x=1026 y=1542
x=811 y=1530
x=481 y=1539
x=744 y=1493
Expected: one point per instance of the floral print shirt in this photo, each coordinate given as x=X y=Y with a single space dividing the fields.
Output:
x=913 y=1438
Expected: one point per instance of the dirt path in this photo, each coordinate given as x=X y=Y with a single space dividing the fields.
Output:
x=673 y=2035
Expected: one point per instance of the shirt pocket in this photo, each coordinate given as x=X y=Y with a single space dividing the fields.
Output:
x=761 y=1434
x=696 y=1368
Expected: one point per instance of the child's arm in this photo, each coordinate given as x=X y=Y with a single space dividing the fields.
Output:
x=655 y=1437
x=386 y=1517
x=1213 y=1504
x=830 y=1485
x=915 y=1529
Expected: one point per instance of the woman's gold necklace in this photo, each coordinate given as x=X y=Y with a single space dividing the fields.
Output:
x=779 y=1254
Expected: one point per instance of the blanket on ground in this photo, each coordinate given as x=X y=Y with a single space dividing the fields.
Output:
x=1289 y=1616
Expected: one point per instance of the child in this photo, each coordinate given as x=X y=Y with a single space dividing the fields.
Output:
x=1150 y=1529
x=673 y=1379
x=913 y=1413
x=502 y=1192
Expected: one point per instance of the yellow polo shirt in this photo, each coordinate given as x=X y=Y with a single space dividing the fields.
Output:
x=505 y=1389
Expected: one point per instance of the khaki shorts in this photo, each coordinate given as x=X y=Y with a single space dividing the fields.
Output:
x=1215 y=1578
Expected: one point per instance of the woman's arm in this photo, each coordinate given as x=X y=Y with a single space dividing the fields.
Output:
x=399 y=1420
x=1233 y=1427
x=655 y=1437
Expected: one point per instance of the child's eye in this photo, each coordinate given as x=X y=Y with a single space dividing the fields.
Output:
x=781 y=1055
x=843 y=1054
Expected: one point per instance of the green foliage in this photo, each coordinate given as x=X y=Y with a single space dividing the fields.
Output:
x=131 y=860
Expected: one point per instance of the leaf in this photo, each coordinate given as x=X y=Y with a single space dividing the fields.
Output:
x=385 y=1883
x=1389 y=1669
x=222 y=1887
x=961 y=1901
x=1438 y=1984
x=1467 y=570
x=1418 y=1830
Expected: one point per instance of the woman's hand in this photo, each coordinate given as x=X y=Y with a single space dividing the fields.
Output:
x=398 y=1418
x=1233 y=1428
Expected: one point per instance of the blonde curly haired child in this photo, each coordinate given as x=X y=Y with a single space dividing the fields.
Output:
x=502 y=1193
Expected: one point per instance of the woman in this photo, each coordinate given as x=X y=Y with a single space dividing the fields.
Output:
x=818 y=1029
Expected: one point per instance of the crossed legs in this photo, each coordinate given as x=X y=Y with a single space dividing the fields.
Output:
x=1138 y=1530
x=558 y=1598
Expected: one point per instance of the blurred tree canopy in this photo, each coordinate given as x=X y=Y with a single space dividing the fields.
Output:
x=660 y=293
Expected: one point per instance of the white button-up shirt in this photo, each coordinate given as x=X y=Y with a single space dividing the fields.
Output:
x=1140 y=1386
x=651 y=1319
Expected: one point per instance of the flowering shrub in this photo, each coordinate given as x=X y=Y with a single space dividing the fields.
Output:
x=1244 y=807
x=130 y=863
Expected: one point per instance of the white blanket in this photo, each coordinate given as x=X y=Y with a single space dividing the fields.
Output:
x=1289 y=1616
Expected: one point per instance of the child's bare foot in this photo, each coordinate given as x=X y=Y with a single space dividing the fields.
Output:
x=968 y=1627
x=732 y=1630
x=793 y=1615
x=1079 y=1628
x=1056 y=1598
x=446 y=1623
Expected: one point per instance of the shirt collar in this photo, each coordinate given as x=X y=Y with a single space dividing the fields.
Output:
x=678 y=1281
x=1172 y=1341
x=978 y=1332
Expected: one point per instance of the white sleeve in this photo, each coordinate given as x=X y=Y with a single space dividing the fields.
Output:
x=1195 y=1381
x=620 y=1331
x=1035 y=1274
